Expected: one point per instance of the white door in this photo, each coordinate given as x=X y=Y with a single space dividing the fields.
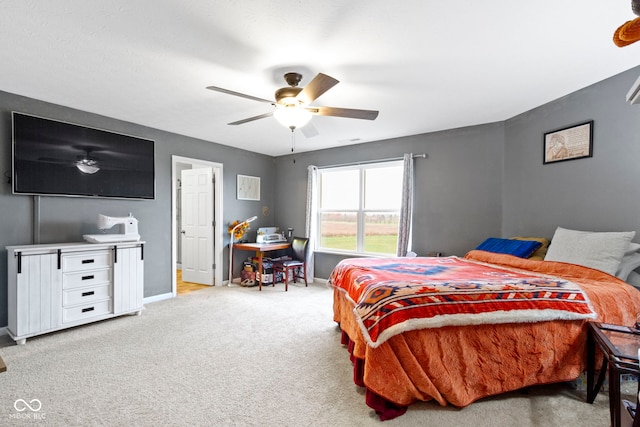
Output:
x=197 y=226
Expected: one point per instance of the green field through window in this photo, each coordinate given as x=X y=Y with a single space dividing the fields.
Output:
x=383 y=244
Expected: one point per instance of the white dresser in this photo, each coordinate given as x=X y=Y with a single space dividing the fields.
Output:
x=57 y=286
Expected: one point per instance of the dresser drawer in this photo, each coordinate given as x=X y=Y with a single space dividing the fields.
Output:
x=86 y=278
x=86 y=295
x=85 y=311
x=86 y=261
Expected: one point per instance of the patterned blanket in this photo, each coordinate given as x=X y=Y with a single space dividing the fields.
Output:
x=393 y=295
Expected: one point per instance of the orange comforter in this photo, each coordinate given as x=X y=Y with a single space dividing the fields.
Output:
x=460 y=364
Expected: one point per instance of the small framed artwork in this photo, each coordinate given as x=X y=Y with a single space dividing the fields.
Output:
x=248 y=187
x=573 y=142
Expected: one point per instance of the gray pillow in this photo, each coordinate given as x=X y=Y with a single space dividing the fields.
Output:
x=634 y=279
x=627 y=265
x=632 y=249
x=599 y=250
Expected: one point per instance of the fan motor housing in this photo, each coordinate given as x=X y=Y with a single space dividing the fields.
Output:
x=286 y=92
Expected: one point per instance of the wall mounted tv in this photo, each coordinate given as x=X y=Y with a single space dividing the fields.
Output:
x=56 y=158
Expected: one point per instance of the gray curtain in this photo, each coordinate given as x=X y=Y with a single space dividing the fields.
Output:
x=406 y=208
x=310 y=226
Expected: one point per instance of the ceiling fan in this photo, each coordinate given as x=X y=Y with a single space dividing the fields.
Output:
x=292 y=102
x=87 y=159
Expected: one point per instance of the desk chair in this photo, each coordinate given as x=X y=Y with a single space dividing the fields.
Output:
x=297 y=263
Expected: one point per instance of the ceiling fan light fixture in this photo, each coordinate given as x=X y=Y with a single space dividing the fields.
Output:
x=292 y=116
x=293 y=103
x=87 y=166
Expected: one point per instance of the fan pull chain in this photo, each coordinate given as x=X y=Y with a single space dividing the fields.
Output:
x=293 y=139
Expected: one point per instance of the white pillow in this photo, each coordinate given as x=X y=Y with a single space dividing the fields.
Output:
x=602 y=251
x=627 y=265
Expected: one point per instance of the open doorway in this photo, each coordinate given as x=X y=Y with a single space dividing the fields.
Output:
x=179 y=164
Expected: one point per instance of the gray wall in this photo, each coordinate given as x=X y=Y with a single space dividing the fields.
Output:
x=66 y=219
x=601 y=193
x=457 y=188
x=479 y=181
x=489 y=180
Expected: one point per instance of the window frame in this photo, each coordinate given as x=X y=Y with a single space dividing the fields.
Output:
x=360 y=211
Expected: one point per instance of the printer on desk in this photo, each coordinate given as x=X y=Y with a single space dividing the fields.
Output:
x=270 y=235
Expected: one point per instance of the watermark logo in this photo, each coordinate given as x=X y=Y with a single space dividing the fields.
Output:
x=27 y=410
x=21 y=405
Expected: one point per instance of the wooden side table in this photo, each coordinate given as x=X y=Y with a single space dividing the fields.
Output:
x=619 y=345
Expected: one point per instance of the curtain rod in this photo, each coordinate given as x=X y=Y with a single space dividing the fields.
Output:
x=366 y=162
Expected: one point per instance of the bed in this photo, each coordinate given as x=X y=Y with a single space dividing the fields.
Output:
x=493 y=342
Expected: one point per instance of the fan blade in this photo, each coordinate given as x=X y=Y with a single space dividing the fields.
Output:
x=241 y=95
x=250 y=119
x=316 y=87
x=309 y=130
x=344 y=112
x=53 y=160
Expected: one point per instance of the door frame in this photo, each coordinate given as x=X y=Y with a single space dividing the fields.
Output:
x=218 y=235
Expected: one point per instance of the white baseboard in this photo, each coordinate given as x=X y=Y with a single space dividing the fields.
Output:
x=157 y=298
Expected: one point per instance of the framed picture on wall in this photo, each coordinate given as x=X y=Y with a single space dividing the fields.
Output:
x=573 y=142
x=248 y=187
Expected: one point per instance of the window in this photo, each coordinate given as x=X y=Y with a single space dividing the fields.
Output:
x=359 y=208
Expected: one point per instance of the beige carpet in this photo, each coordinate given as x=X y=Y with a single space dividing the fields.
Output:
x=232 y=356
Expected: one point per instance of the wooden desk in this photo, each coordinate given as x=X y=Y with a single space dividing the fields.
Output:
x=260 y=249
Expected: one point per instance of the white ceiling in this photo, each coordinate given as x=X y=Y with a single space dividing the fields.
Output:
x=426 y=65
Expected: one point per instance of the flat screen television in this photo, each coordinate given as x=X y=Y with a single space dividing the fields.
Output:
x=56 y=158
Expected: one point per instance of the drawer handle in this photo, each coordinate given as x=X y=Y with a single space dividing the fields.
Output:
x=88 y=261
x=88 y=277
x=86 y=294
x=84 y=310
